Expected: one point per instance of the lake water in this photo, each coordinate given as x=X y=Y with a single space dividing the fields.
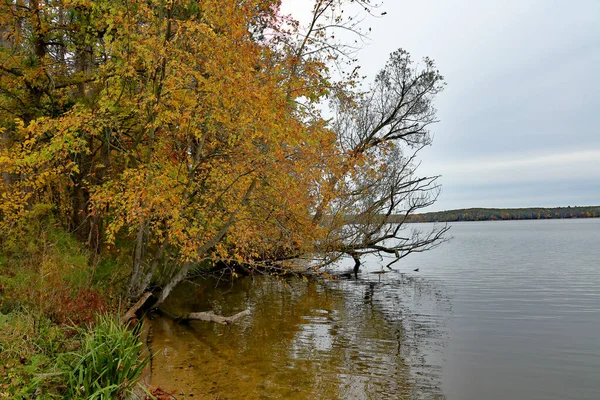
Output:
x=505 y=310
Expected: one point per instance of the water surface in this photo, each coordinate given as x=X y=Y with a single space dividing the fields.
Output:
x=322 y=340
x=525 y=321
x=505 y=310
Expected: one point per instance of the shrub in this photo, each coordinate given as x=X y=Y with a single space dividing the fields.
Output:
x=47 y=271
x=78 y=308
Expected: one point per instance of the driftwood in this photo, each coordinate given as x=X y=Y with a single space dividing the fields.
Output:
x=210 y=316
x=207 y=316
x=130 y=314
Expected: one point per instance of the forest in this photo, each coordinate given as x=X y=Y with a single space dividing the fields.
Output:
x=142 y=141
x=493 y=214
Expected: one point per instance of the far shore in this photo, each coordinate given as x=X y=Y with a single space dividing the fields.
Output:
x=502 y=214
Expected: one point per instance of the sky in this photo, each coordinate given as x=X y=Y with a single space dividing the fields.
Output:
x=519 y=118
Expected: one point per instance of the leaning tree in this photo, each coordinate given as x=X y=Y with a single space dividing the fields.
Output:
x=369 y=184
x=380 y=133
x=185 y=133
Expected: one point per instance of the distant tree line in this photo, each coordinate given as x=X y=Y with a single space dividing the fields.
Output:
x=492 y=214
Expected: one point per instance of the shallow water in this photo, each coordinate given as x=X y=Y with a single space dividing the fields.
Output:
x=323 y=340
x=505 y=310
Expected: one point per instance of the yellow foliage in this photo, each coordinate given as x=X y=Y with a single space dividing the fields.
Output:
x=174 y=126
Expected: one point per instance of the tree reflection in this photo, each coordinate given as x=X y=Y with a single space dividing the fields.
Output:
x=334 y=340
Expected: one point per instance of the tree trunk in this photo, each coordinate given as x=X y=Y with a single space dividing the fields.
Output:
x=130 y=314
x=185 y=268
x=356 y=258
x=6 y=142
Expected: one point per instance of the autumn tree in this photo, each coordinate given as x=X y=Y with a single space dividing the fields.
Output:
x=189 y=133
x=371 y=176
x=171 y=124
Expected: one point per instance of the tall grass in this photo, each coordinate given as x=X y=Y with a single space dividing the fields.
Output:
x=31 y=348
x=108 y=363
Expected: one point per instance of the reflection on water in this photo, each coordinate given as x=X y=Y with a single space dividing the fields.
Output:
x=376 y=338
x=506 y=310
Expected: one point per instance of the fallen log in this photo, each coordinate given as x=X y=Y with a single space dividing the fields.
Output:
x=210 y=316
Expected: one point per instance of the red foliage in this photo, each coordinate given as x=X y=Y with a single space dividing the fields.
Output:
x=78 y=308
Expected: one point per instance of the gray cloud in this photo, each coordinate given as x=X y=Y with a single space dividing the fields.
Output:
x=514 y=195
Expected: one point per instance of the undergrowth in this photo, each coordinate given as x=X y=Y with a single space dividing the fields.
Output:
x=60 y=337
x=39 y=359
x=31 y=352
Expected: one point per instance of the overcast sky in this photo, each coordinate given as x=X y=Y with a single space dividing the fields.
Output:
x=519 y=116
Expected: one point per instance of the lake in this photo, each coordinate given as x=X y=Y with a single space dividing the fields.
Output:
x=505 y=310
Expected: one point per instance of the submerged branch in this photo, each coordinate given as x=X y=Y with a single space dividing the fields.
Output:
x=210 y=316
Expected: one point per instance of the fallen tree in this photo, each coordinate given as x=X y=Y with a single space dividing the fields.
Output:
x=132 y=312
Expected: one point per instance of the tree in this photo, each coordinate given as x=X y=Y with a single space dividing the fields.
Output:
x=370 y=176
x=380 y=133
x=176 y=123
x=189 y=132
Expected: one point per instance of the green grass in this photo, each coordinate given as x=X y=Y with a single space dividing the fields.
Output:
x=56 y=339
x=31 y=352
x=39 y=358
x=108 y=364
